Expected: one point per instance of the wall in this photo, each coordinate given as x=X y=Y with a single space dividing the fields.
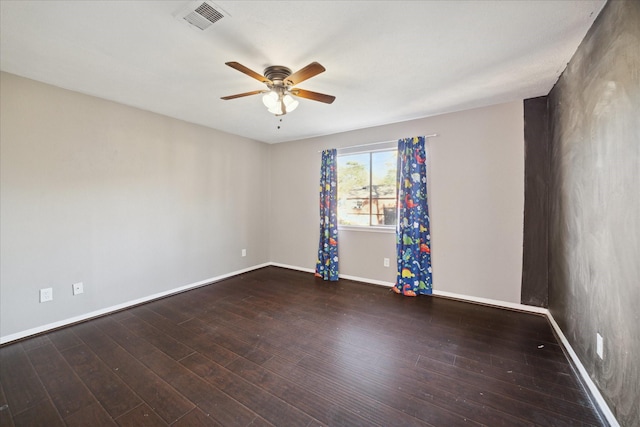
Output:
x=128 y=202
x=476 y=180
x=595 y=205
x=535 y=260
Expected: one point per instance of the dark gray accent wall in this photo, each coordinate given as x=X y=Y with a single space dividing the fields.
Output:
x=594 y=235
x=535 y=251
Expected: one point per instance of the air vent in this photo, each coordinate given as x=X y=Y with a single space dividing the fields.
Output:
x=200 y=14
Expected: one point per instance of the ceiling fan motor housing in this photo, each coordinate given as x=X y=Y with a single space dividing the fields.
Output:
x=277 y=74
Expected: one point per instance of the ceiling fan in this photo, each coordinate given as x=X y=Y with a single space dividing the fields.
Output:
x=280 y=82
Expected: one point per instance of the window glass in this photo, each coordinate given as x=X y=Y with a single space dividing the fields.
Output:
x=367 y=189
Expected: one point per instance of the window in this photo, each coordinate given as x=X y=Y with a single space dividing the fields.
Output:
x=367 y=188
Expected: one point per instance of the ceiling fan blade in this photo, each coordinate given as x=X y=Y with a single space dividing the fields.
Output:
x=327 y=99
x=240 y=95
x=305 y=73
x=248 y=72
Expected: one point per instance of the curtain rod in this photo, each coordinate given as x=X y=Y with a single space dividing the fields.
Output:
x=378 y=143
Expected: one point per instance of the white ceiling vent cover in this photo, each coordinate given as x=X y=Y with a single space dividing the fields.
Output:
x=200 y=14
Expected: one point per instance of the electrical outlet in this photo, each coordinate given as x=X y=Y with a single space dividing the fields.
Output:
x=46 y=294
x=244 y=252
x=385 y=262
x=78 y=288
x=599 y=345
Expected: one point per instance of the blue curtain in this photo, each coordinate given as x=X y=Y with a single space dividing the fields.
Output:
x=413 y=238
x=327 y=263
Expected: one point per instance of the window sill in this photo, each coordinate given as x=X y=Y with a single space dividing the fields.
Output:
x=389 y=230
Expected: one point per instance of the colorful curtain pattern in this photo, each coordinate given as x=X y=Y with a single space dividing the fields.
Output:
x=327 y=263
x=413 y=239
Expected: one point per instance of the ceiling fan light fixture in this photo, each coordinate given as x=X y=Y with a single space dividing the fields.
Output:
x=290 y=103
x=276 y=109
x=270 y=99
x=279 y=102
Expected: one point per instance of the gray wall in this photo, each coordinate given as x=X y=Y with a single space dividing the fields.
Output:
x=476 y=196
x=595 y=205
x=134 y=204
x=535 y=257
x=128 y=202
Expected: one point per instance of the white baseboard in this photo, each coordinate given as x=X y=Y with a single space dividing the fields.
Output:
x=86 y=316
x=293 y=267
x=492 y=302
x=595 y=393
x=365 y=280
x=342 y=276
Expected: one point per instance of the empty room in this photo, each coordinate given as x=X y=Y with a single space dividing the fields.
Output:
x=320 y=213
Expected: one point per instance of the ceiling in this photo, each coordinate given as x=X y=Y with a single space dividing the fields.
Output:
x=386 y=61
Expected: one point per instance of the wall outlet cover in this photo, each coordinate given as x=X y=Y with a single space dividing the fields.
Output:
x=78 y=288
x=46 y=294
x=599 y=346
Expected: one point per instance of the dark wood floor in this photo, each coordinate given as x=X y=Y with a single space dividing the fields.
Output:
x=279 y=347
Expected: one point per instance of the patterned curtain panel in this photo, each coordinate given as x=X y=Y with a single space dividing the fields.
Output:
x=327 y=263
x=413 y=239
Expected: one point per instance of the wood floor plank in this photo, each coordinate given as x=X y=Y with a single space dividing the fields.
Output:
x=6 y=419
x=197 y=418
x=157 y=338
x=531 y=382
x=161 y=397
x=442 y=338
x=166 y=309
x=228 y=338
x=218 y=405
x=275 y=347
x=313 y=404
x=35 y=342
x=19 y=380
x=267 y=405
x=63 y=338
x=158 y=395
x=141 y=416
x=379 y=414
x=306 y=336
x=42 y=414
x=246 y=341
x=136 y=345
x=112 y=393
x=385 y=390
x=547 y=407
x=260 y=422
x=93 y=415
x=439 y=391
x=435 y=385
x=68 y=393
x=201 y=342
x=564 y=379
